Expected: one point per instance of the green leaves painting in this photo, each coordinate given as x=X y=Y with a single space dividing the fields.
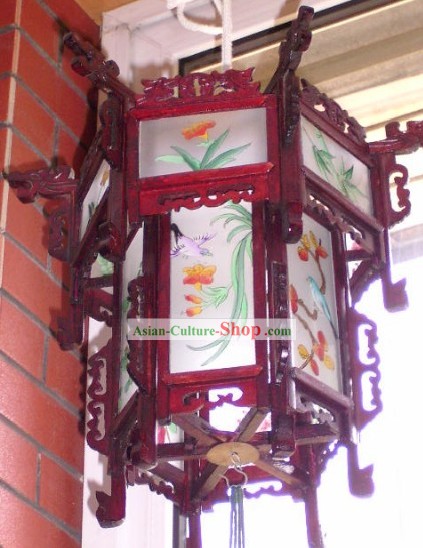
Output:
x=240 y=221
x=333 y=169
x=212 y=158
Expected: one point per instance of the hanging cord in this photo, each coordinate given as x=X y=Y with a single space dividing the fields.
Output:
x=224 y=9
x=237 y=535
x=237 y=527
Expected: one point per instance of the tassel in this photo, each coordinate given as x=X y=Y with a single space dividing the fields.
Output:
x=237 y=534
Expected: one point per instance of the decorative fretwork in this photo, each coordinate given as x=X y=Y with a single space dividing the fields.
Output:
x=99 y=399
x=51 y=183
x=336 y=115
x=360 y=371
x=284 y=81
x=200 y=86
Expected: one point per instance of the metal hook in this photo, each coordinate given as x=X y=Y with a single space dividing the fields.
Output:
x=236 y=461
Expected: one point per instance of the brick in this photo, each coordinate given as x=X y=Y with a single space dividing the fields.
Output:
x=3 y=140
x=21 y=339
x=70 y=151
x=23 y=157
x=50 y=87
x=18 y=463
x=60 y=493
x=32 y=287
x=72 y=16
x=7 y=44
x=8 y=13
x=38 y=73
x=65 y=374
x=4 y=98
x=41 y=27
x=35 y=412
x=27 y=225
x=22 y=526
x=33 y=121
x=75 y=112
x=2 y=183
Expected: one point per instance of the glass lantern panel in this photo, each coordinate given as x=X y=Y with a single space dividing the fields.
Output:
x=211 y=287
x=169 y=433
x=313 y=305
x=93 y=197
x=335 y=165
x=132 y=268
x=202 y=141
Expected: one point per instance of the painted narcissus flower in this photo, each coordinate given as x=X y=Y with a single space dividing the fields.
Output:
x=198 y=129
x=212 y=156
x=199 y=275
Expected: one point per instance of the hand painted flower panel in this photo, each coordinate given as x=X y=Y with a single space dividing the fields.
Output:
x=313 y=305
x=337 y=166
x=202 y=141
x=212 y=278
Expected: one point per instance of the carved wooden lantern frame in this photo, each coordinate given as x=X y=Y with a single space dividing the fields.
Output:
x=315 y=202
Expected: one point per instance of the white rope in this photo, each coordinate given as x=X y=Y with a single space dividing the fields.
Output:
x=224 y=9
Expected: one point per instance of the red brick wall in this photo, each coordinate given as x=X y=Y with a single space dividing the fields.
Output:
x=45 y=117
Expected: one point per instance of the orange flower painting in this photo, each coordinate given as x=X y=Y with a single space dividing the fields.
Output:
x=199 y=275
x=212 y=156
x=198 y=129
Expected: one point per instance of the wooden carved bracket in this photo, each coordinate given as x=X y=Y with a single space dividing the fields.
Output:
x=90 y=62
x=384 y=154
x=51 y=183
x=399 y=142
x=284 y=81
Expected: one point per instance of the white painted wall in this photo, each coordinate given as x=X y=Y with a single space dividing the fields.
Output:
x=146 y=40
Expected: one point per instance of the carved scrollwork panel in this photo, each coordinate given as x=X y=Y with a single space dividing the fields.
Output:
x=208 y=197
x=364 y=411
x=199 y=86
x=329 y=109
x=281 y=348
x=99 y=400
